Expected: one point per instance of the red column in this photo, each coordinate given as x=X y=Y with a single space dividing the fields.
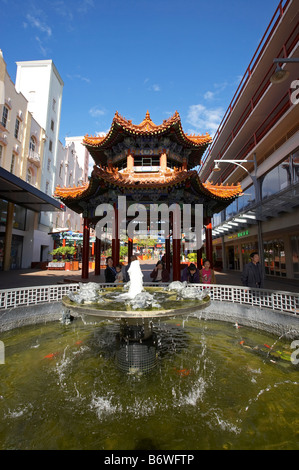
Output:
x=209 y=244
x=167 y=253
x=97 y=266
x=199 y=258
x=85 y=250
x=130 y=249
x=176 y=259
x=115 y=239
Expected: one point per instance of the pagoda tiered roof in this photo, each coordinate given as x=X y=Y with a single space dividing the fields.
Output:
x=103 y=179
x=181 y=184
x=171 y=127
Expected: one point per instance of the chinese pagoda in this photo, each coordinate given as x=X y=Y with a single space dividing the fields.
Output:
x=147 y=163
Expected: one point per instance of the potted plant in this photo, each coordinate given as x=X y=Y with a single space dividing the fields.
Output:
x=66 y=252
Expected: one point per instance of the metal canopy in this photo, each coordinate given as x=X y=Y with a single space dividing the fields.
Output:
x=18 y=191
x=285 y=201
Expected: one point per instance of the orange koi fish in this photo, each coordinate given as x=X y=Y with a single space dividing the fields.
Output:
x=183 y=372
x=50 y=356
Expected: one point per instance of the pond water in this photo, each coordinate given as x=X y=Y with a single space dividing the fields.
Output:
x=213 y=386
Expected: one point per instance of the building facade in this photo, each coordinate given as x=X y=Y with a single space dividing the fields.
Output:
x=30 y=150
x=260 y=132
x=22 y=140
x=70 y=171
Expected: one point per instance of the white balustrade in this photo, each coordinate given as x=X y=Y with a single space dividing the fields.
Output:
x=287 y=302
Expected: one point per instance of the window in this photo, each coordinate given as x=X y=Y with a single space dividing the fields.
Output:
x=12 y=164
x=32 y=144
x=295 y=255
x=60 y=170
x=47 y=187
x=17 y=128
x=247 y=249
x=1 y=154
x=274 y=254
x=54 y=104
x=296 y=166
x=277 y=179
x=29 y=176
x=247 y=199
x=49 y=164
x=216 y=219
x=146 y=163
x=50 y=145
x=4 y=116
x=52 y=125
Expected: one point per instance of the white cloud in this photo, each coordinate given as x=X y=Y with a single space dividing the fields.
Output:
x=64 y=10
x=204 y=119
x=209 y=95
x=41 y=46
x=85 y=5
x=155 y=87
x=36 y=23
x=78 y=77
x=96 y=112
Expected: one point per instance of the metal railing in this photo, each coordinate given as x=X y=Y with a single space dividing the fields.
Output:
x=279 y=12
x=285 y=302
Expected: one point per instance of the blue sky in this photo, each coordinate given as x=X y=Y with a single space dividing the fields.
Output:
x=134 y=55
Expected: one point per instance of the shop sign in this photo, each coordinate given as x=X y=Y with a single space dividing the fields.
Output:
x=243 y=234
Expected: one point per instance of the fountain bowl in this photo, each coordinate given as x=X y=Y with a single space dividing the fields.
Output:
x=153 y=302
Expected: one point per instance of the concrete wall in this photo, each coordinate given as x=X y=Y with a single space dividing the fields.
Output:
x=277 y=323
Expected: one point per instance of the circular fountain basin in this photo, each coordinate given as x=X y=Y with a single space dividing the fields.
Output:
x=166 y=305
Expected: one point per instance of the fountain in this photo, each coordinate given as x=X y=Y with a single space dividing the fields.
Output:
x=135 y=300
x=136 y=307
x=140 y=373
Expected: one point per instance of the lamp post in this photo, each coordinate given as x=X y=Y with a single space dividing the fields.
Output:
x=254 y=179
x=280 y=74
x=239 y=164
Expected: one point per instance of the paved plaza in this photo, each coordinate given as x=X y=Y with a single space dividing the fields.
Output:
x=39 y=277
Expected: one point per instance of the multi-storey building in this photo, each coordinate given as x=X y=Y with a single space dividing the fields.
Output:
x=260 y=132
x=41 y=84
x=21 y=201
x=70 y=172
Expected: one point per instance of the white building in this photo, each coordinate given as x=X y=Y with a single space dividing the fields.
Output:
x=82 y=154
x=22 y=141
x=70 y=171
x=41 y=84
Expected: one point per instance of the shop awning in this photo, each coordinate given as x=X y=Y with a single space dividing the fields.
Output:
x=18 y=191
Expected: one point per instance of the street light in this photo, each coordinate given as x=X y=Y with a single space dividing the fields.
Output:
x=242 y=218
x=280 y=74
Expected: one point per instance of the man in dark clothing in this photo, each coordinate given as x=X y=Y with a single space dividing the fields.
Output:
x=191 y=274
x=253 y=275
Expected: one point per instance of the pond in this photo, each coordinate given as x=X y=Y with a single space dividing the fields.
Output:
x=213 y=386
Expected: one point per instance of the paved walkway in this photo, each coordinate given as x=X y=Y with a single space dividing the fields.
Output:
x=38 y=277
